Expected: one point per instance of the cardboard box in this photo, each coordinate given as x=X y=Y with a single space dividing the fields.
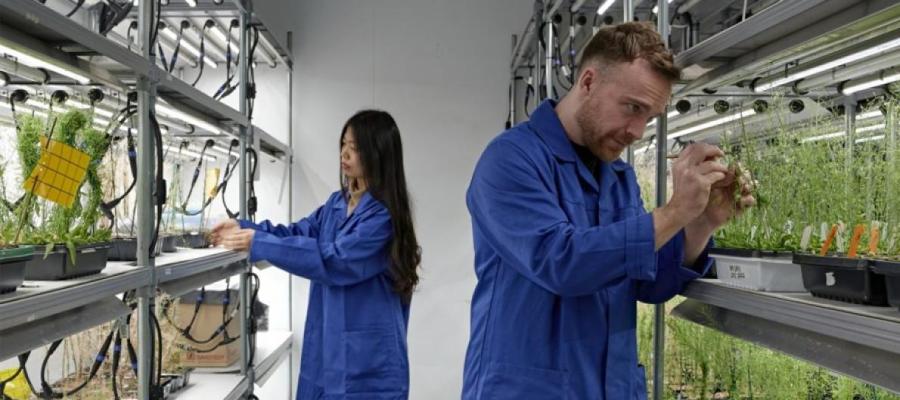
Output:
x=209 y=319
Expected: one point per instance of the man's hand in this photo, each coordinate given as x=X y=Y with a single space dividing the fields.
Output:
x=238 y=240
x=694 y=173
x=222 y=229
x=728 y=198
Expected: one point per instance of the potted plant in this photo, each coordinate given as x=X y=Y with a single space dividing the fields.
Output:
x=72 y=244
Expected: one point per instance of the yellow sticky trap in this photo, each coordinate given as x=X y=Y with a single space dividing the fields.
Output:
x=58 y=174
x=212 y=182
x=16 y=388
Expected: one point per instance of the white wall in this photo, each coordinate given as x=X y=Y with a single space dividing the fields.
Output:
x=441 y=67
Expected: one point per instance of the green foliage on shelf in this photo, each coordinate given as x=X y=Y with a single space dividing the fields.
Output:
x=50 y=224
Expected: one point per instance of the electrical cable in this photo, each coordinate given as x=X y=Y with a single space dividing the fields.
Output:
x=160 y=182
x=178 y=49
x=206 y=26
x=74 y=10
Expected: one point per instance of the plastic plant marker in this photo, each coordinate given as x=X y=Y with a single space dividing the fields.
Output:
x=840 y=237
x=807 y=236
x=828 y=240
x=854 y=240
x=211 y=184
x=874 y=237
x=823 y=230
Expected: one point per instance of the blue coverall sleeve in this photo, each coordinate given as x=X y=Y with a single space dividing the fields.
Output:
x=513 y=205
x=672 y=275
x=353 y=256
x=308 y=226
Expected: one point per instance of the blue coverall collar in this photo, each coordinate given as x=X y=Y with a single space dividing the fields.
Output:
x=550 y=129
x=365 y=202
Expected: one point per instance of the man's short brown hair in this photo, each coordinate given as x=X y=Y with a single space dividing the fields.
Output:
x=627 y=42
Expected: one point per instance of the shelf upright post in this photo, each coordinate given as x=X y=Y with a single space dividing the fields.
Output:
x=290 y=118
x=548 y=58
x=659 y=317
x=512 y=84
x=145 y=203
x=246 y=137
x=628 y=16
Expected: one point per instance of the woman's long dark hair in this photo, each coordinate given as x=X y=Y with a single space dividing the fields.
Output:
x=381 y=154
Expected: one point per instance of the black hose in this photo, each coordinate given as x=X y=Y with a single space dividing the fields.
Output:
x=71 y=13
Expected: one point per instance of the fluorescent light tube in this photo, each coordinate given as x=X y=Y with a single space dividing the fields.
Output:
x=192 y=3
x=219 y=34
x=868 y=115
x=713 y=123
x=174 y=150
x=848 y=59
x=870 y=128
x=188 y=46
x=170 y=112
x=869 y=139
x=670 y=115
x=605 y=6
x=883 y=79
x=823 y=137
x=37 y=63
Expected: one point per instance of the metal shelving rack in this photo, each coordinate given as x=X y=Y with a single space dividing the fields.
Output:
x=860 y=342
x=41 y=312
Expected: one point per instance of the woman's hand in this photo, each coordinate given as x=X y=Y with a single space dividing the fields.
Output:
x=222 y=229
x=238 y=240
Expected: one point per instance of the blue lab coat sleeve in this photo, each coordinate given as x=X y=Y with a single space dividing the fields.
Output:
x=355 y=255
x=514 y=205
x=308 y=226
x=672 y=275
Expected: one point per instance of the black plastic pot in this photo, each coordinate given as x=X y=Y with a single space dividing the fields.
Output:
x=195 y=240
x=844 y=279
x=12 y=267
x=89 y=260
x=891 y=272
x=170 y=244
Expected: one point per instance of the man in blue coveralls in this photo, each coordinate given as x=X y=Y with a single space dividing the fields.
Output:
x=563 y=246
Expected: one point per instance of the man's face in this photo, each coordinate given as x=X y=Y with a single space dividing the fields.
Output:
x=618 y=103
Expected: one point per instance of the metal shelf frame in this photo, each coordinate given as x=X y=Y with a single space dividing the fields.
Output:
x=858 y=341
x=35 y=28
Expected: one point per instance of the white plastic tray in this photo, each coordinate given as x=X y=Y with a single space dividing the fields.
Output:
x=762 y=274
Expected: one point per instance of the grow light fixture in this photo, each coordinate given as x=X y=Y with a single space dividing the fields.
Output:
x=605 y=6
x=870 y=139
x=713 y=123
x=848 y=59
x=188 y=46
x=656 y=7
x=823 y=137
x=170 y=112
x=3 y=80
x=48 y=65
x=192 y=3
x=883 y=78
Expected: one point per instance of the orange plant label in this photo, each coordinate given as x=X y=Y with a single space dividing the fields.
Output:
x=828 y=240
x=854 y=240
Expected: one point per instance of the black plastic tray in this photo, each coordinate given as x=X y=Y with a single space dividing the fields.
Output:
x=125 y=249
x=195 y=241
x=844 y=279
x=170 y=244
x=89 y=260
x=891 y=272
x=12 y=269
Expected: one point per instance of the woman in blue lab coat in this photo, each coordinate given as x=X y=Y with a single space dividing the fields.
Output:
x=360 y=253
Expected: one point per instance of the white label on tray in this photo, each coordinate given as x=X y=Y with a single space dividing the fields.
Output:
x=829 y=279
x=736 y=272
x=807 y=235
x=823 y=233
